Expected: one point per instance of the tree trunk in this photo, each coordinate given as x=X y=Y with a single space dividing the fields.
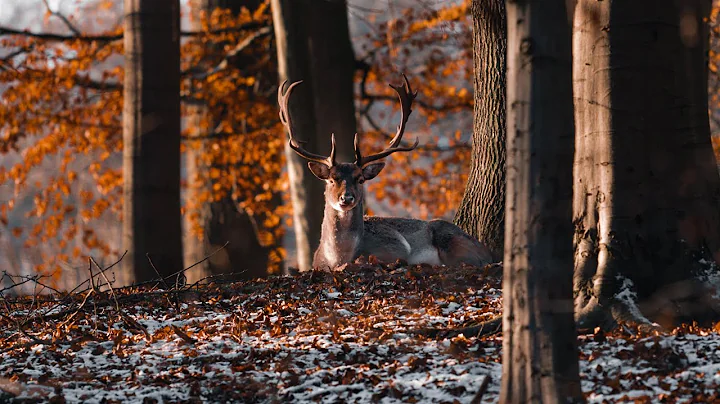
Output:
x=223 y=221
x=292 y=53
x=151 y=135
x=646 y=191
x=332 y=66
x=540 y=356
x=313 y=45
x=482 y=210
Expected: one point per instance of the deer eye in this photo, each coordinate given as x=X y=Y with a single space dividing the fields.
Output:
x=360 y=180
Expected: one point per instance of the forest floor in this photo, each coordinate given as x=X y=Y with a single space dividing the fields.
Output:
x=333 y=337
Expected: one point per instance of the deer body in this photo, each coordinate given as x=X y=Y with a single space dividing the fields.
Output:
x=348 y=234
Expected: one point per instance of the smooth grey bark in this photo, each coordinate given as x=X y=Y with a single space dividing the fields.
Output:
x=482 y=209
x=151 y=135
x=223 y=221
x=540 y=355
x=313 y=45
x=646 y=189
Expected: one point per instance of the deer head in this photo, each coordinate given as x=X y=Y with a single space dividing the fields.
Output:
x=343 y=189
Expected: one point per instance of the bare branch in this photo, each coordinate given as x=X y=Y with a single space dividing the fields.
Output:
x=241 y=46
x=63 y=18
x=60 y=37
x=116 y=37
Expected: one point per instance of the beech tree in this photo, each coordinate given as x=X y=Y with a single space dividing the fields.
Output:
x=646 y=186
x=540 y=357
x=151 y=136
x=313 y=45
x=482 y=210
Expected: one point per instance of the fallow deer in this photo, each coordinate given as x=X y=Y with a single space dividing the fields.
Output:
x=348 y=234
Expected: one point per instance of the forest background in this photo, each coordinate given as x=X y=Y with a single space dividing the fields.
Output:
x=61 y=124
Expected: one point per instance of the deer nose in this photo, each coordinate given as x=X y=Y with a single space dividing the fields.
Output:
x=347 y=198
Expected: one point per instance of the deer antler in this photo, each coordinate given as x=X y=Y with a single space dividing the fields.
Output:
x=285 y=119
x=406 y=96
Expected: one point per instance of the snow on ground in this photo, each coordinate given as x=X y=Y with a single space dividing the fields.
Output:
x=318 y=337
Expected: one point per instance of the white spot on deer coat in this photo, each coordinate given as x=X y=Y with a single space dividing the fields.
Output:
x=427 y=255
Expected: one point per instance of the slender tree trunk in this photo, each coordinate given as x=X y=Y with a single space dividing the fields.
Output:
x=222 y=220
x=647 y=190
x=151 y=135
x=482 y=210
x=313 y=45
x=540 y=356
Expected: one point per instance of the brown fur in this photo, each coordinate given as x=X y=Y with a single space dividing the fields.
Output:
x=346 y=234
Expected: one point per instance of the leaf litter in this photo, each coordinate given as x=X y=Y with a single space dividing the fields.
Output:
x=332 y=337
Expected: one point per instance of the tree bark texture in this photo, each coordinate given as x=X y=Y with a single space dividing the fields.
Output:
x=482 y=209
x=223 y=221
x=151 y=135
x=313 y=45
x=646 y=187
x=540 y=356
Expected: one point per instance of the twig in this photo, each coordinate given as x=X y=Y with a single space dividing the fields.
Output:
x=92 y=277
x=87 y=295
x=165 y=285
x=112 y=291
x=160 y=277
x=180 y=333
x=213 y=277
x=242 y=45
x=134 y=323
x=481 y=392
x=111 y=265
x=204 y=259
x=154 y=281
x=63 y=18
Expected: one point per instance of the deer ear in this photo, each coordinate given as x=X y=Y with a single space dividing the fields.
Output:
x=371 y=171
x=319 y=170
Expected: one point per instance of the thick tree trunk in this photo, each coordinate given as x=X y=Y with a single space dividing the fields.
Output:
x=540 y=356
x=223 y=222
x=482 y=210
x=313 y=45
x=647 y=191
x=151 y=135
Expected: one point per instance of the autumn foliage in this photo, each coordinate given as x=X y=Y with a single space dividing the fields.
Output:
x=61 y=114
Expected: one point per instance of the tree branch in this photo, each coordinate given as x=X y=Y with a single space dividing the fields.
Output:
x=62 y=17
x=60 y=37
x=242 y=45
x=117 y=37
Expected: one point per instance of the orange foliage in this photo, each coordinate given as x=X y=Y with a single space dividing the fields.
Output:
x=434 y=48
x=61 y=113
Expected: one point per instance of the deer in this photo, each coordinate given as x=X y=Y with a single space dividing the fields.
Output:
x=347 y=233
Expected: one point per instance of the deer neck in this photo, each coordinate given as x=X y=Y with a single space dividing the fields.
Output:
x=341 y=234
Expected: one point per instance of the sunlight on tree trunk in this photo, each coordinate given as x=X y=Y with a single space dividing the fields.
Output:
x=482 y=210
x=646 y=204
x=151 y=134
x=540 y=355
